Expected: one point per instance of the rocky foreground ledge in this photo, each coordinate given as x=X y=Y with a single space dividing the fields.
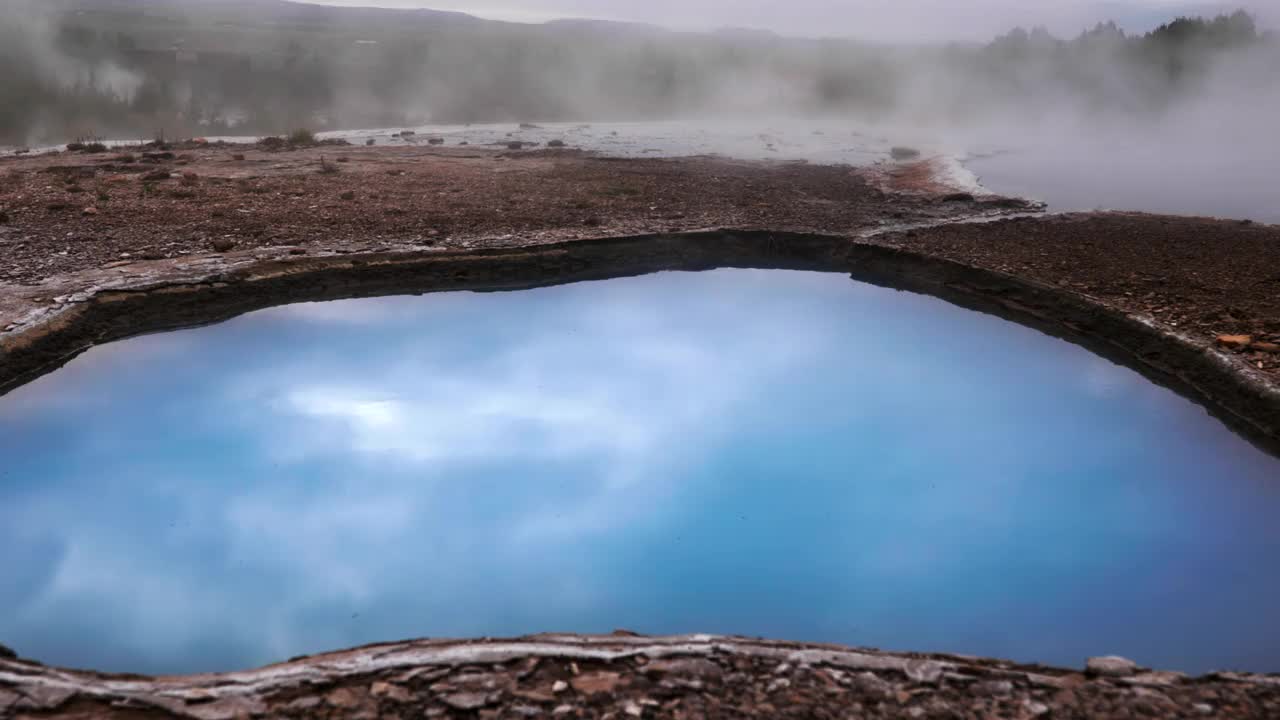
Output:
x=626 y=676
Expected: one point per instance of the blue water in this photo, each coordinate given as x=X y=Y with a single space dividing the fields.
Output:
x=785 y=454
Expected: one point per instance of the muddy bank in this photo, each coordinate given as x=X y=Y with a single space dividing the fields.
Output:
x=626 y=676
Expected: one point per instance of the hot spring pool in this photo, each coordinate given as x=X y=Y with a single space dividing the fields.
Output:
x=786 y=454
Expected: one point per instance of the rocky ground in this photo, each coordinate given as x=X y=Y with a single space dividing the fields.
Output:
x=626 y=676
x=68 y=212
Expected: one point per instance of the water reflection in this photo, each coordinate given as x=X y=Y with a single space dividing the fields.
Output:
x=768 y=453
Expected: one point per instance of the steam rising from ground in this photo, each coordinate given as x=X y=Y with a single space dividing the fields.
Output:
x=1204 y=90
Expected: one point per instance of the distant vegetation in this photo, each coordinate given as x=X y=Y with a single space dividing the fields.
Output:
x=181 y=68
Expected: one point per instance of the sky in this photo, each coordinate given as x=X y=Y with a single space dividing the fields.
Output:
x=885 y=20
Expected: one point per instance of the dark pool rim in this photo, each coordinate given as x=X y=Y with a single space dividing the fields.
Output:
x=1245 y=400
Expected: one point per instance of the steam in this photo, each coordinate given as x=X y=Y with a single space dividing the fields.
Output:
x=1206 y=90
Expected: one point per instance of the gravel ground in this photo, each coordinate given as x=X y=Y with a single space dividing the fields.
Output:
x=627 y=676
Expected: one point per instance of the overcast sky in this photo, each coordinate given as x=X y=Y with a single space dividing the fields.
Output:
x=888 y=20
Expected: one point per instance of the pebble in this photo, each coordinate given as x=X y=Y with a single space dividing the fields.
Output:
x=466 y=700
x=1111 y=666
x=559 y=686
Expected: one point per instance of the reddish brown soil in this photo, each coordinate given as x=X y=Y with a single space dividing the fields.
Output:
x=1200 y=276
x=371 y=196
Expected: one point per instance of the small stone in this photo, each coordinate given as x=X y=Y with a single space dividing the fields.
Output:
x=391 y=692
x=556 y=144
x=778 y=684
x=695 y=667
x=467 y=700
x=223 y=245
x=156 y=175
x=782 y=669
x=596 y=683
x=924 y=671
x=343 y=698
x=515 y=145
x=348 y=195
x=562 y=710
x=1035 y=709
x=872 y=685
x=238 y=157
x=304 y=703
x=559 y=686
x=1111 y=666
x=370 y=142
x=1234 y=342
x=631 y=709
x=1203 y=708
x=995 y=688
x=903 y=153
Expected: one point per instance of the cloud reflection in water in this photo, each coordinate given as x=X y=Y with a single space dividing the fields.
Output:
x=776 y=453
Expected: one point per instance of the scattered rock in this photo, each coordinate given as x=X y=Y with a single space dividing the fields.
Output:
x=631 y=709
x=596 y=683
x=189 y=178
x=238 y=157
x=559 y=686
x=1111 y=666
x=468 y=700
x=562 y=710
x=530 y=126
x=407 y=133
x=348 y=195
x=515 y=145
x=370 y=142
x=435 y=141
x=958 y=197
x=903 y=153
x=223 y=245
x=556 y=144
x=1235 y=342
x=156 y=175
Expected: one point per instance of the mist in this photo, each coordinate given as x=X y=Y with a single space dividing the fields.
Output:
x=1202 y=90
